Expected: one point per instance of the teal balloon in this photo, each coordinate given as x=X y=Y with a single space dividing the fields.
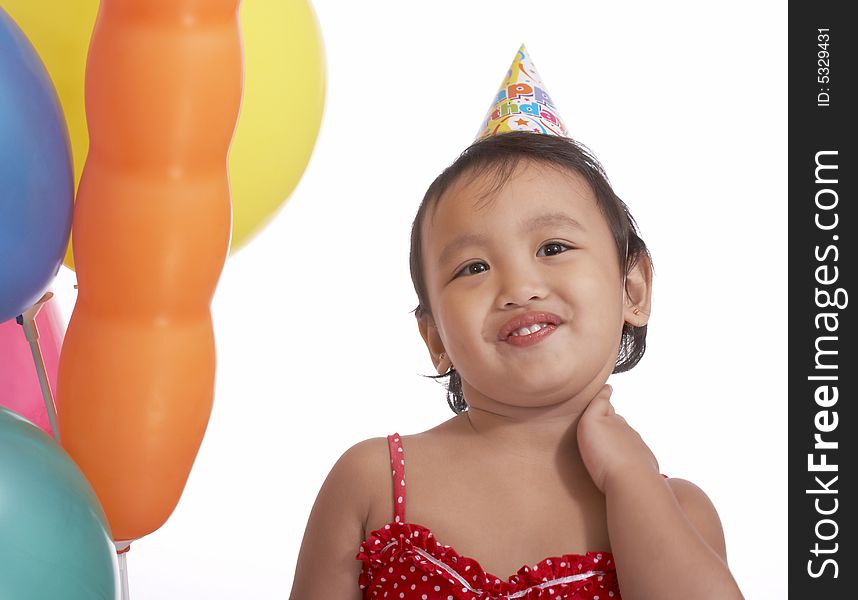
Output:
x=55 y=543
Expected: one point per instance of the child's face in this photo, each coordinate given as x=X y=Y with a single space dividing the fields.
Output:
x=518 y=254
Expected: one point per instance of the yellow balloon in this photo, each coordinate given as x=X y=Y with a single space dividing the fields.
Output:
x=281 y=105
x=281 y=109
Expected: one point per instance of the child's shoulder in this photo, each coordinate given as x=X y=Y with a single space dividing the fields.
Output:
x=371 y=457
x=363 y=473
x=369 y=460
x=351 y=489
x=364 y=465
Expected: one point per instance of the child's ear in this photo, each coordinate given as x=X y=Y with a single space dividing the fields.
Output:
x=429 y=333
x=637 y=303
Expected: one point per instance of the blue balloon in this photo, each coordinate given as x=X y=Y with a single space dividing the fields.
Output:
x=54 y=538
x=36 y=176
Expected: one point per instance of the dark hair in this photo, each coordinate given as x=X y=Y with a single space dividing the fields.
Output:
x=500 y=155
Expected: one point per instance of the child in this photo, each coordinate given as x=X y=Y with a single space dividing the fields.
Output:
x=533 y=287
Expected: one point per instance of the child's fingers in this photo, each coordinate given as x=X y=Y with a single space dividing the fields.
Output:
x=601 y=404
x=611 y=411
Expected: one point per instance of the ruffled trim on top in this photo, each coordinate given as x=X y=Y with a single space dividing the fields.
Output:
x=577 y=575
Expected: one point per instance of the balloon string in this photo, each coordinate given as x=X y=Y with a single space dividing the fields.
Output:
x=123 y=573
x=27 y=320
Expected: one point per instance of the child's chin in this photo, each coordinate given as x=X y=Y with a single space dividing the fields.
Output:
x=548 y=392
x=541 y=396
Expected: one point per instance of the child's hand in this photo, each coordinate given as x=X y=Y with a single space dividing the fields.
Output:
x=609 y=446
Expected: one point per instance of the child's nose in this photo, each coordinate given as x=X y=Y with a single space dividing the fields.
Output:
x=520 y=289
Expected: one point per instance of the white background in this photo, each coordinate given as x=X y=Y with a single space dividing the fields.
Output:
x=685 y=105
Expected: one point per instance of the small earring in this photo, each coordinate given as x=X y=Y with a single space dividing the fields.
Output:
x=442 y=356
x=636 y=311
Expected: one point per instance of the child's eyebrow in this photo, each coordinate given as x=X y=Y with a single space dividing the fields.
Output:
x=462 y=241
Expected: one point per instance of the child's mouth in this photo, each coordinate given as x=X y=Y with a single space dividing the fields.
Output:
x=528 y=328
x=527 y=336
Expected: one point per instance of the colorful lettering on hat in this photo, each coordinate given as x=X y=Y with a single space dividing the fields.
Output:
x=522 y=104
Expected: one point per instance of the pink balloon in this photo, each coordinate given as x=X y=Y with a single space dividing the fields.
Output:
x=19 y=383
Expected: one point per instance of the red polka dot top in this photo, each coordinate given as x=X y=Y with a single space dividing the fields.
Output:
x=404 y=561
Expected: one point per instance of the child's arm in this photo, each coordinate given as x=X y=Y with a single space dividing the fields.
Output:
x=326 y=566
x=666 y=537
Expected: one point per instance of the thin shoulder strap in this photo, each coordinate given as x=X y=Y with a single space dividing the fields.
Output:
x=397 y=465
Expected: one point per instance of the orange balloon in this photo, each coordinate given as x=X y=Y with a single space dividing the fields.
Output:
x=151 y=234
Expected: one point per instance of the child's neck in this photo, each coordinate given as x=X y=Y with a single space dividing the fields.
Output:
x=535 y=436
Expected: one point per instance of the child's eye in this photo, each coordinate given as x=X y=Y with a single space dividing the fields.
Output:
x=552 y=248
x=474 y=268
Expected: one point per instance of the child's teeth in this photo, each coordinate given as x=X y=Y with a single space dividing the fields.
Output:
x=528 y=330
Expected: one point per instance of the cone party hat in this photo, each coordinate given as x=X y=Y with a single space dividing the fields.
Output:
x=522 y=103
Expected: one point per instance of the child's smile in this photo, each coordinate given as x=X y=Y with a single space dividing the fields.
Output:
x=524 y=285
x=529 y=328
